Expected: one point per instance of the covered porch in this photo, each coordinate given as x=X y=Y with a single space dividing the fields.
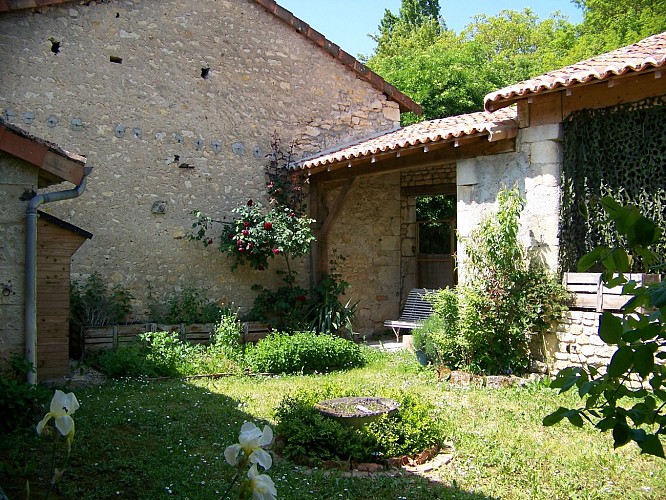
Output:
x=388 y=207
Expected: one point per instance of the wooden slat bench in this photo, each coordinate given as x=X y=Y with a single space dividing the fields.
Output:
x=417 y=309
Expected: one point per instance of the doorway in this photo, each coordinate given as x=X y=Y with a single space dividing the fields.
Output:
x=436 y=241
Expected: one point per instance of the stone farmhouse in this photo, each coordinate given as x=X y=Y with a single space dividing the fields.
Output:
x=174 y=104
x=519 y=138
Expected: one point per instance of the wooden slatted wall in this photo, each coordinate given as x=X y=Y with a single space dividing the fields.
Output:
x=55 y=247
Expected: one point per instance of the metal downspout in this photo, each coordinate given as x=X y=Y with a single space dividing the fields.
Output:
x=31 y=266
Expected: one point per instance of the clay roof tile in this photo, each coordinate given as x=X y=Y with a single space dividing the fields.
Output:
x=646 y=55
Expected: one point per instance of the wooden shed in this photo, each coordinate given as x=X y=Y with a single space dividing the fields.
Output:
x=35 y=250
x=57 y=241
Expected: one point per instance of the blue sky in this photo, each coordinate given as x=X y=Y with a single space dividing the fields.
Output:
x=348 y=22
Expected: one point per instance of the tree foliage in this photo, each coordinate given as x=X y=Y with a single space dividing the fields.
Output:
x=449 y=73
x=629 y=399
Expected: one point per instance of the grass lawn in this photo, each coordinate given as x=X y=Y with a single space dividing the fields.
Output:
x=141 y=439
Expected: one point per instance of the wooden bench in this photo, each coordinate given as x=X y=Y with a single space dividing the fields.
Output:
x=417 y=309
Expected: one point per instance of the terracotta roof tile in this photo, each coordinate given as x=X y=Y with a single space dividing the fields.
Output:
x=643 y=56
x=497 y=125
x=362 y=71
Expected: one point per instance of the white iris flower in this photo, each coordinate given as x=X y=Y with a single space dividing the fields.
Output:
x=250 y=441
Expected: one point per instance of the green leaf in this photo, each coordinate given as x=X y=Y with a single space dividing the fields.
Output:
x=652 y=445
x=611 y=207
x=643 y=360
x=621 y=260
x=591 y=258
x=585 y=388
x=657 y=295
x=621 y=434
x=621 y=361
x=606 y=424
x=645 y=233
x=574 y=417
x=555 y=417
x=610 y=328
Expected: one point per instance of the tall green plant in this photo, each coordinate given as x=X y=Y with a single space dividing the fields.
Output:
x=486 y=324
x=629 y=397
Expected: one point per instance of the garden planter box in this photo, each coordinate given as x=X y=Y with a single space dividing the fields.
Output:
x=93 y=338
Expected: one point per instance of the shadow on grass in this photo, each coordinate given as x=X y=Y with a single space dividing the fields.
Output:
x=134 y=439
x=142 y=439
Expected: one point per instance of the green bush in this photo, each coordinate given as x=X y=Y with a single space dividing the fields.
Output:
x=163 y=354
x=303 y=432
x=226 y=337
x=304 y=352
x=439 y=337
x=94 y=303
x=484 y=325
x=22 y=403
x=126 y=361
x=189 y=305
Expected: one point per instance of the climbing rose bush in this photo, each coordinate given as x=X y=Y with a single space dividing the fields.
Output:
x=257 y=235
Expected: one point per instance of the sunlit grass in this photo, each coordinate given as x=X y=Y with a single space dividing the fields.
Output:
x=143 y=439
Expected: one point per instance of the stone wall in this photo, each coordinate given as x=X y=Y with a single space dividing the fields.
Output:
x=577 y=342
x=367 y=234
x=174 y=103
x=16 y=176
x=536 y=168
x=431 y=176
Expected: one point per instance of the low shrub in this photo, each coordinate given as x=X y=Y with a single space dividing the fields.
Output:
x=226 y=337
x=305 y=352
x=439 y=337
x=94 y=303
x=21 y=403
x=189 y=305
x=162 y=354
x=126 y=361
x=303 y=432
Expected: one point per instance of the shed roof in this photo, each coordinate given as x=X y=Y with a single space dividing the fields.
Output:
x=64 y=224
x=500 y=125
x=360 y=69
x=647 y=55
x=55 y=164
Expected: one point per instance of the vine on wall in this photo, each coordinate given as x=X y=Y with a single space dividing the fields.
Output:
x=618 y=152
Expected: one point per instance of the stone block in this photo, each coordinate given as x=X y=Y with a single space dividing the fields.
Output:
x=566 y=337
x=466 y=172
x=546 y=152
x=588 y=350
x=392 y=114
x=540 y=133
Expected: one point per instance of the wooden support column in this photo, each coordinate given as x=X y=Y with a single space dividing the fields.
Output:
x=320 y=257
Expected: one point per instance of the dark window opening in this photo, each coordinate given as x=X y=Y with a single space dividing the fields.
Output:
x=115 y=59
